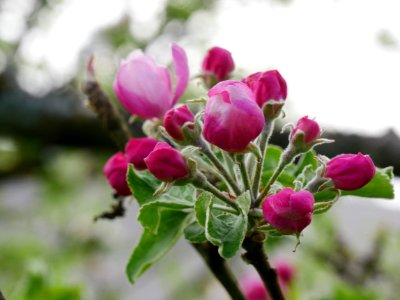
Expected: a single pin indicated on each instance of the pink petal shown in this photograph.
(135, 85)
(181, 68)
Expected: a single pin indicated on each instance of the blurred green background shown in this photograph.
(52, 150)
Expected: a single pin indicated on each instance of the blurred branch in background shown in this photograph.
(60, 119)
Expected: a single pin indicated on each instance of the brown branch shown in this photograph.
(106, 112)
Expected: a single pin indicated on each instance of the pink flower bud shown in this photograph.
(309, 128)
(218, 62)
(267, 86)
(285, 272)
(175, 118)
(144, 87)
(253, 288)
(137, 149)
(166, 163)
(350, 171)
(115, 171)
(289, 211)
(232, 117)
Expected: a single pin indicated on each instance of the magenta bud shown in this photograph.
(267, 86)
(309, 128)
(253, 288)
(166, 163)
(289, 211)
(174, 120)
(218, 62)
(115, 171)
(350, 171)
(285, 271)
(232, 118)
(145, 88)
(137, 149)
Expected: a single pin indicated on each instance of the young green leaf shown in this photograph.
(379, 187)
(225, 230)
(141, 187)
(195, 233)
(201, 207)
(152, 247)
(272, 156)
(150, 213)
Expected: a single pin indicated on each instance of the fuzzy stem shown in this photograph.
(256, 256)
(286, 158)
(265, 136)
(245, 175)
(201, 182)
(219, 268)
(211, 156)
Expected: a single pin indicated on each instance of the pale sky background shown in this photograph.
(328, 51)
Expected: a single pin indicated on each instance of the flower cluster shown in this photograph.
(233, 119)
(217, 145)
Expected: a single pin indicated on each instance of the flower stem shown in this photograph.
(245, 175)
(201, 182)
(256, 256)
(211, 156)
(265, 135)
(219, 268)
(286, 158)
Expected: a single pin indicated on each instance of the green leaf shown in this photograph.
(272, 157)
(195, 233)
(201, 206)
(325, 196)
(285, 178)
(225, 230)
(153, 247)
(141, 187)
(184, 192)
(150, 213)
(307, 159)
(271, 161)
(306, 175)
(379, 187)
(244, 202)
(325, 200)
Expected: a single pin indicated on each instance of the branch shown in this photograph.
(106, 112)
(256, 256)
(218, 267)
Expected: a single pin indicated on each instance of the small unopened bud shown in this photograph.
(350, 171)
(175, 119)
(306, 131)
(115, 171)
(289, 211)
(166, 163)
(216, 66)
(137, 149)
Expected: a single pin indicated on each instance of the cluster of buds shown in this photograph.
(235, 115)
(220, 150)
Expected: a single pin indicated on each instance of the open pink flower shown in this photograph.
(166, 163)
(115, 171)
(289, 211)
(350, 171)
(144, 88)
(232, 117)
